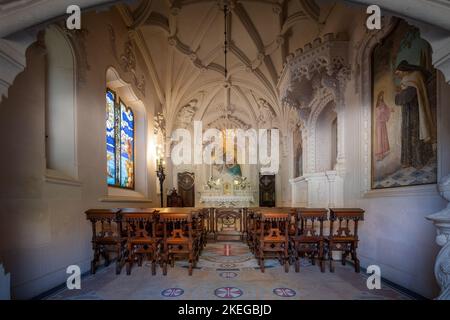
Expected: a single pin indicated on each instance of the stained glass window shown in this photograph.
(126, 147)
(119, 142)
(110, 137)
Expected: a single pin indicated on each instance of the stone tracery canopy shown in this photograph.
(320, 65)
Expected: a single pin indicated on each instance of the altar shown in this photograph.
(224, 201)
(227, 191)
(227, 194)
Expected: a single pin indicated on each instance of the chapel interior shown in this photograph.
(342, 175)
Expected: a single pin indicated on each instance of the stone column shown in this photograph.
(441, 220)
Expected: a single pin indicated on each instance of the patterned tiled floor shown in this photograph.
(228, 277)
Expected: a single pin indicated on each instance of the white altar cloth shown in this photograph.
(227, 201)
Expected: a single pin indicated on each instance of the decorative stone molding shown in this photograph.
(323, 63)
(265, 115)
(322, 99)
(77, 40)
(441, 221)
(20, 15)
(228, 122)
(186, 114)
(159, 125)
(318, 190)
(13, 55)
(364, 49)
(287, 121)
(13, 59)
(127, 60)
(312, 78)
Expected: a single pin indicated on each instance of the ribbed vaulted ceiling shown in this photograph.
(185, 42)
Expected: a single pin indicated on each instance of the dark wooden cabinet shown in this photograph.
(186, 188)
(267, 190)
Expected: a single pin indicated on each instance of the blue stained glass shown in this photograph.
(119, 142)
(111, 138)
(126, 147)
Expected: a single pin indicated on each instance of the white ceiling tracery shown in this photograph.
(183, 42)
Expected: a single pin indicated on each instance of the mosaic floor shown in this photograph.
(228, 277)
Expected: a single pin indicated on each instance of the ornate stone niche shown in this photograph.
(313, 82)
(312, 79)
(320, 64)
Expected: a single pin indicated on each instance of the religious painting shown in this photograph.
(126, 147)
(403, 111)
(227, 188)
(110, 137)
(119, 142)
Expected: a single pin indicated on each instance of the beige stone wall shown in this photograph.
(42, 225)
(43, 228)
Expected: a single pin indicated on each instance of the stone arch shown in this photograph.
(61, 104)
(322, 100)
(127, 94)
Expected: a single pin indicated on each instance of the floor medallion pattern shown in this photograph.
(228, 275)
(172, 292)
(284, 292)
(228, 292)
(237, 276)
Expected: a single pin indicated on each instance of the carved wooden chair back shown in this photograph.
(105, 223)
(344, 234)
(140, 223)
(274, 226)
(181, 239)
(309, 238)
(344, 222)
(107, 236)
(142, 240)
(177, 226)
(273, 238)
(311, 221)
(253, 228)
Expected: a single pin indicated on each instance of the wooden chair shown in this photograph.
(180, 239)
(309, 238)
(142, 240)
(273, 238)
(253, 227)
(344, 234)
(201, 227)
(107, 237)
